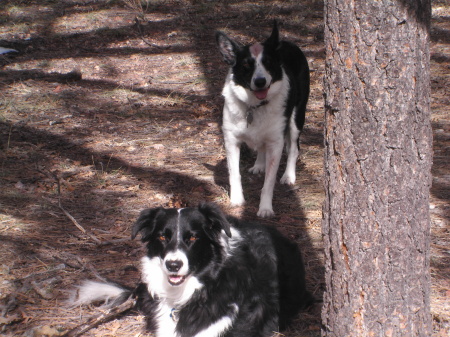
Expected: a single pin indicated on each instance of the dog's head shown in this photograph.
(183, 242)
(254, 67)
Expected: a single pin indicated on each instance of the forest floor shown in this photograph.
(102, 116)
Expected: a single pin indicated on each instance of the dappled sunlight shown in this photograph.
(102, 118)
(86, 21)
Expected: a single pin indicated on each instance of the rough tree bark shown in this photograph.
(376, 224)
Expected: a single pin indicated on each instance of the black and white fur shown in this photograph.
(266, 92)
(208, 275)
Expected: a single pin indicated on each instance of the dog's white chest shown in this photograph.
(256, 127)
(166, 321)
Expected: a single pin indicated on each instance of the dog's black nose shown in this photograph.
(174, 265)
(260, 82)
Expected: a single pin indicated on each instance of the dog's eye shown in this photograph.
(162, 238)
(193, 238)
(248, 63)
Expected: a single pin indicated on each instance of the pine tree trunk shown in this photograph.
(378, 157)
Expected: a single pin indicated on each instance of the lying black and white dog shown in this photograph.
(266, 92)
(208, 275)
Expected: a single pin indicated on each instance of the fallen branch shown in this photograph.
(106, 316)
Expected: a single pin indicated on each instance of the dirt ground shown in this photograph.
(105, 111)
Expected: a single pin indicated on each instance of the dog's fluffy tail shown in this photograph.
(110, 294)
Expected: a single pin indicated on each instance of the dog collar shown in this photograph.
(252, 109)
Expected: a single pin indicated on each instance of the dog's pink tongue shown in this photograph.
(261, 94)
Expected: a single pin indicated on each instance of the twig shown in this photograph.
(71, 260)
(105, 316)
(75, 222)
(41, 292)
(9, 138)
(95, 272)
(81, 264)
(56, 268)
(139, 27)
(67, 214)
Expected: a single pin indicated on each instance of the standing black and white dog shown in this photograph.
(266, 92)
(208, 275)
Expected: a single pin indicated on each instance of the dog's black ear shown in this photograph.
(216, 220)
(228, 48)
(146, 222)
(274, 38)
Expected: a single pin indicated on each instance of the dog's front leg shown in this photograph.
(233, 149)
(273, 156)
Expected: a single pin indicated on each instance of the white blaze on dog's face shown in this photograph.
(261, 79)
(175, 262)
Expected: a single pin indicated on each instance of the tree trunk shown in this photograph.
(378, 156)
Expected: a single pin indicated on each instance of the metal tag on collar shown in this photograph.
(174, 314)
(252, 109)
(249, 117)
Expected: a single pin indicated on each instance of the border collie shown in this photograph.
(208, 275)
(266, 92)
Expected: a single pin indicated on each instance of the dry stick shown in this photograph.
(41, 292)
(82, 265)
(95, 272)
(9, 138)
(105, 316)
(74, 221)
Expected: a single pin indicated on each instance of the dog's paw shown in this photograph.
(265, 213)
(257, 169)
(288, 179)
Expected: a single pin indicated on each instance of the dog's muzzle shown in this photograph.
(261, 88)
(173, 267)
